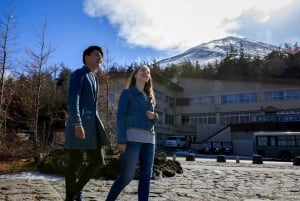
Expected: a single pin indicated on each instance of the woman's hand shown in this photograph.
(150, 115)
(121, 147)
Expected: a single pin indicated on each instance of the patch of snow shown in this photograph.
(31, 176)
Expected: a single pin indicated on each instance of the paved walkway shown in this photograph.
(202, 180)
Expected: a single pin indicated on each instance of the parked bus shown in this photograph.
(283, 145)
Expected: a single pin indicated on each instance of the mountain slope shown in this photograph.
(217, 49)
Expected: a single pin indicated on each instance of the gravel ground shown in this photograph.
(202, 180)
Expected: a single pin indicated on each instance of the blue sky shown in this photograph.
(135, 30)
(70, 31)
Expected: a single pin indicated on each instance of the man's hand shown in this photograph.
(79, 132)
(121, 147)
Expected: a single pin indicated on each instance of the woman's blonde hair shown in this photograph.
(148, 88)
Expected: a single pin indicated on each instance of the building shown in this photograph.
(207, 110)
(224, 110)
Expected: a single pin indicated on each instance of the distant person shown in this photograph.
(135, 133)
(85, 132)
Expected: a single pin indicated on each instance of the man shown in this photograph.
(85, 132)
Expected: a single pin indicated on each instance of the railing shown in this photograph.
(261, 118)
(275, 118)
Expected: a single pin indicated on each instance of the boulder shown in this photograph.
(221, 158)
(163, 167)
(257, 159)
(56, 163)
(296, 161)
(111, 169)
(190, 157)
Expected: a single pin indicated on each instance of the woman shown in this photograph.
(136, 137)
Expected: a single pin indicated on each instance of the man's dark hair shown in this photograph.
(89, 50)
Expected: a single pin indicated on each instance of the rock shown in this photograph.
(221, 159)
(160, 158)
(56, 163)
(190, 157)
(111, 169)
(296, 161)
(257, 159)
(163, 167)
(168, 172)
(168, 168)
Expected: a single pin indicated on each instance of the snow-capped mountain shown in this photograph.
(217, 49)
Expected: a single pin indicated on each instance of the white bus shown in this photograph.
(283, 145)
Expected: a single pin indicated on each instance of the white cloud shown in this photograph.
(180, 24)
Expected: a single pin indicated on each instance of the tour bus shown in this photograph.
(283, 145)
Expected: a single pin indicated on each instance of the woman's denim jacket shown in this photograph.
(132, 113)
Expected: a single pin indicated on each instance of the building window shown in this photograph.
(243, 117)
(199, 119)
(202, 100)
(169, 119)
(238, 98)
(185, 120)
(282, 95)
(182, 102)
(274, 95)
(229, 99)
(292, 94)
(206, 100)
(170, 101)
(211, 119)
(289, 112)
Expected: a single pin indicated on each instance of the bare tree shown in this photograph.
(9, 93)
(107, 110)
(7, 37)
(36, 67)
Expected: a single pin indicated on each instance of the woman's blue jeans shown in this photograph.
(135, 151)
